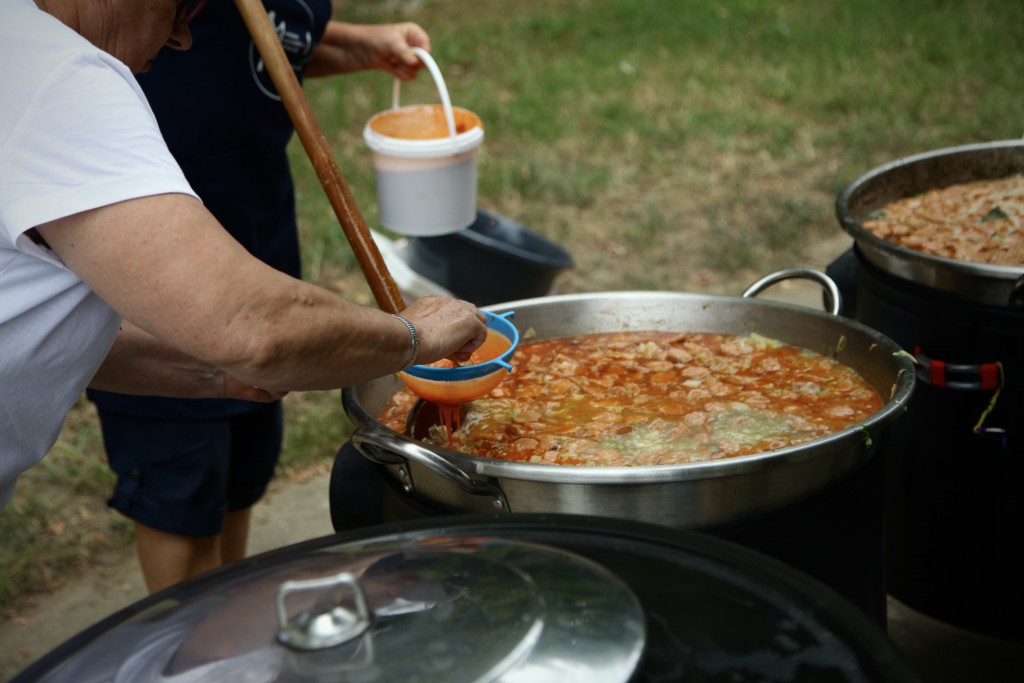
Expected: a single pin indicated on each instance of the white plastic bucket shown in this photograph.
(424, 157)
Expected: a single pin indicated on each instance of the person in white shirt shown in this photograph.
(113, 274)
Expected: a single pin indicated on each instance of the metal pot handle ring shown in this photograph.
(386, 447)
(833, 299)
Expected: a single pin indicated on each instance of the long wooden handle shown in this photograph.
(382, 285)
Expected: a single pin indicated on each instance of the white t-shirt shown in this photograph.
(76, 133)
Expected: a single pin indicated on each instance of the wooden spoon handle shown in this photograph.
(382, 285)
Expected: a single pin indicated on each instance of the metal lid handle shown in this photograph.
(320, 630)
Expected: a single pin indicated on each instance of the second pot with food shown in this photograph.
(953, 509)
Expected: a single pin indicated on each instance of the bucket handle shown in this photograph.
(442, 89)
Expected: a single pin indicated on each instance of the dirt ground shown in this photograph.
(293, 511)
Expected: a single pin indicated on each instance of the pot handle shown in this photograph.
(386, 447)
(833, 299)
(1017, 293)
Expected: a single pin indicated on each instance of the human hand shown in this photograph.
(346, 47)
(394, 49)
(447, 328)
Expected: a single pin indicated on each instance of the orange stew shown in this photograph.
(654, 398)
(981, 222)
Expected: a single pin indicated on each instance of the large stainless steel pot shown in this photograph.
(910, 176)
(685, 496)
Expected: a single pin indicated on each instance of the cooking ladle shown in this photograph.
(461, 384)
(382, 285)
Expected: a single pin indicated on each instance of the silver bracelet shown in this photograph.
(414, 339)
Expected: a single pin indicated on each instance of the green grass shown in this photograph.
(655, 139)
(583, 100)
(61, 523)
(316, 428)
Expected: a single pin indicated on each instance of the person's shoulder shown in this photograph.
(51, 59)
(45, 48)
(24, 26)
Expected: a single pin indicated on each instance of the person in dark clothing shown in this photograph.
(189, 471)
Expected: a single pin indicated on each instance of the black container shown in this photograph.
(954, 508)
(835, 536)
(709, 611)
(494, 259)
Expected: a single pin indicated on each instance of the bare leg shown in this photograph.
(236, 535)
(166, 559)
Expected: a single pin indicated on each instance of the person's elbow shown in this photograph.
(259, 360)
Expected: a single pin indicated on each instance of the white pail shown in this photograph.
(424, 157)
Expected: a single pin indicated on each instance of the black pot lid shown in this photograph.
(522, 598)
(445, 610)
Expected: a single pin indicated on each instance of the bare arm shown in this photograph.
(166, 265)
(139, 363)
(346, 48)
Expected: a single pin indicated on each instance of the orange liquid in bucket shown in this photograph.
(423, 122)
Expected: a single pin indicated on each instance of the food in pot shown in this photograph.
(979, 221)
(654, 398)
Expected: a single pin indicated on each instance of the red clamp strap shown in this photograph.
(938, 373)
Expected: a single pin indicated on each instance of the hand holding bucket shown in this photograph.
(425, 162)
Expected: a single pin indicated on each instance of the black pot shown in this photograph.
(953, 506)
(494, 259)
(954, 511)
(526, 598)
(835, 536)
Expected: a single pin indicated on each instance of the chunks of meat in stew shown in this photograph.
(654, 398)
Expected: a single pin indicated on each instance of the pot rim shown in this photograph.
(918, 266)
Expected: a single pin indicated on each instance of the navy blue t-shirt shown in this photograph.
(225, 124)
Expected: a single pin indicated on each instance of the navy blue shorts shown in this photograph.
(182, 476)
